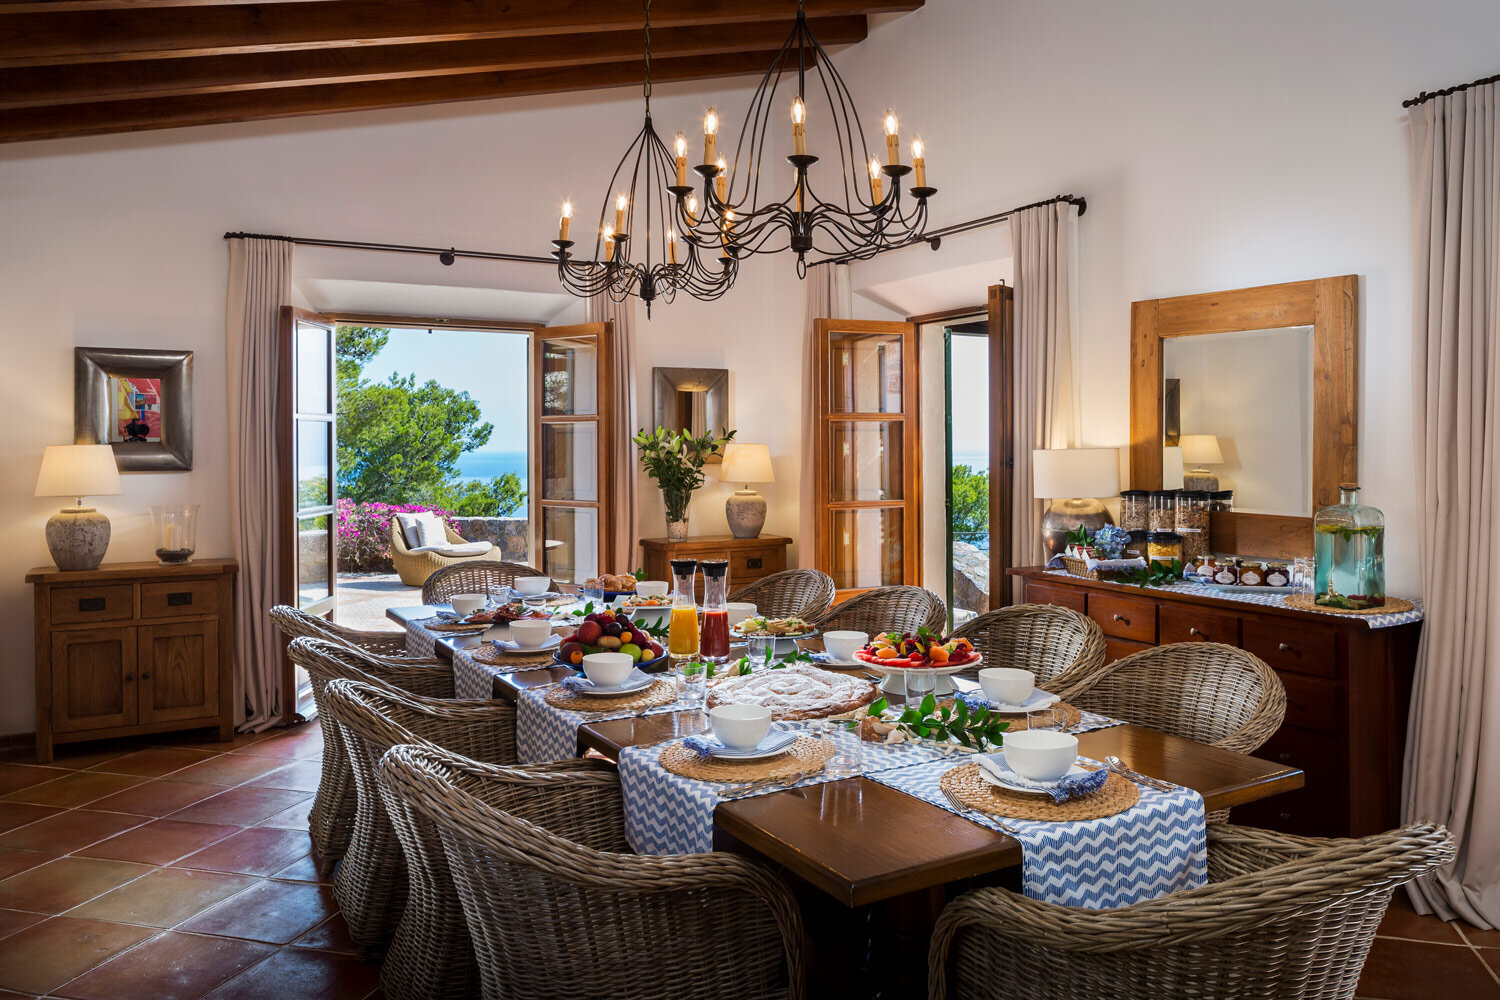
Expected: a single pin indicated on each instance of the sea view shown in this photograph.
(488, 464)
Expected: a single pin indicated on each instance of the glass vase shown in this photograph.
(1349, 553)
(175, 531)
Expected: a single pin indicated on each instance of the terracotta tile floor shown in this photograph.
(181, 870)
(169, 868)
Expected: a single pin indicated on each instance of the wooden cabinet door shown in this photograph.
(93, 679)
(179, 668)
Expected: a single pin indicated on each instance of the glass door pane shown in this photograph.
(865, 374)
(570, 461)
(866, 461)
(968, 446)
(570, 543)
(868, 547)
(573, 431)
(570, 376)
(313, 463)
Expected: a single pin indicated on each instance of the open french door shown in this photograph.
(868, 457)
(1001, 309)
(308, 521)
(573, 423)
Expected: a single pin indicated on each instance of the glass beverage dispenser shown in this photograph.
(1349, 552)
(713, 645)
(682, 631)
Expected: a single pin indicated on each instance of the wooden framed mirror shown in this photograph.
(1272, 375)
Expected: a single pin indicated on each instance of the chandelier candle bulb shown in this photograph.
(671, 247)
(799, 127)
(681, 144)
(565, 223)
(692, 210)
(609, 244)
(919, 162)
(892, 138)
(620, 205)
(721, 182)
(710, 134)
(875, 179)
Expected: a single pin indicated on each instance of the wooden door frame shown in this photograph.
(1000, 307)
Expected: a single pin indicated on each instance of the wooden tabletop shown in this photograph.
(111, 571)
(861, 841)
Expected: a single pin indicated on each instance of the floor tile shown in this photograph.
(295, 818)
(14, 814)
(1491, 958)
(1479, 938)
(308, 975)
(204, 739)
(78, 788)
(246, 805)
(77, 756)
(164, 897)
(159, 842)
(13, 862)
(331, 935)
(157, 798)
(305, 742)
(276, 912)
(257, 851)
(14, 920)
(66, 832)
(14, 777)
(44, 956)
(301, 775)
(172, 966)
(153, 762)
(228, 769)
(303, 870)
(63, 884)
(1418, 970)
(1404, 922)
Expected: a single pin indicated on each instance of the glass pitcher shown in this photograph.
(713, 644)
(682, 631)
(1349, 553)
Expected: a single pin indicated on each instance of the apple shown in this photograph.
(571, 652)
(631, 650)
(610, 642)
(589, 633)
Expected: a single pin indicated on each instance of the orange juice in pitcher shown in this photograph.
(682, 630)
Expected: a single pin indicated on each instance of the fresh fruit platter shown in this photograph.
(609, 632)
(906, 651)
(504, 615)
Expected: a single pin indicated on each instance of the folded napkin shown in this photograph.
(1037, 699)
(1070, 786)
(703, 746)
(450, 615)
(580, 682)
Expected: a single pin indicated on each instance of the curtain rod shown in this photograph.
(934, 239)
(446, 256)
(1425, 96)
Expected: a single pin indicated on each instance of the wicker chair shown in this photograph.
(481, 576)
(800, 593)
(557, 908)
(295, 624)
(415, 567)
(429, 955)
(1059, 645)
(887, 609)
(331, 820)
(1283, 916)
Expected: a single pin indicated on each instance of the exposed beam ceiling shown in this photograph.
(83, 67)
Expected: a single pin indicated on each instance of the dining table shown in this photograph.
(872, 865)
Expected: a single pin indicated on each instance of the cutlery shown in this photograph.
(962, 808)
(1117, 765)
(767, 784)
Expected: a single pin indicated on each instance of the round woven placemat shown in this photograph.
(496, 657)
(445, 625)
(966, 783)
(808, 754)
(662, 692)
(1071, 717)
(1306, 602)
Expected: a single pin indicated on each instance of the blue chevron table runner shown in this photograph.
(1157, 846)
(546, 733)
(419, 641)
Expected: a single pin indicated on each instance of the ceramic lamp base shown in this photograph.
(1064, 516)
(1200, 479)
(77, 538)
(746, 513)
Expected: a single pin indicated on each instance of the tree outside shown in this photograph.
(971, 505)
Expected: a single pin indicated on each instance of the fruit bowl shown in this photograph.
(893, 651)
(651, 666)
(609, 632)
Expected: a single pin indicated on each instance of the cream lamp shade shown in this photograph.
(1064, 473)
(78, 470)
(1200, 449)
(746, 463)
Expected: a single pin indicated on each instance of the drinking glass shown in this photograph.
(848, 751)
(692, 686)
(1052, 717)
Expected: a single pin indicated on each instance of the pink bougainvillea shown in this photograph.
(364, 531)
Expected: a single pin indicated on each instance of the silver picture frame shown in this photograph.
(96, 369)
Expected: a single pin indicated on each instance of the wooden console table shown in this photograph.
(133, 648)
(1348, 687)
(749, 558)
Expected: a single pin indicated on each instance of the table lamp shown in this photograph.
(1073, 479)
(746, 509)
(1199, 450)
(77, 536)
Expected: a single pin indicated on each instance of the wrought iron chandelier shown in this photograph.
(677, 265)
(860, 217)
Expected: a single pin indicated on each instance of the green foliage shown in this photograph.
(971, 500)
(977, 729)
(1154, 574)
(502, 496)
(675, 460)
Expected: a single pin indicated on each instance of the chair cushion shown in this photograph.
(431, 531)
(459, 551)
(409, 530)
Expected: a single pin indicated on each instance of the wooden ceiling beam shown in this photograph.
(101, 81)
(59, 121)
(37, 37)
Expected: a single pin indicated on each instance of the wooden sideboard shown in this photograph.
(749, 558)
(1348, 687)
(133, 648)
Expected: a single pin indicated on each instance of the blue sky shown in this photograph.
(971, 395)
(488, 365)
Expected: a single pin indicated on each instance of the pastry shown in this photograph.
(796, 692)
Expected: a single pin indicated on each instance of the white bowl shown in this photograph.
(467, 604)
(530, 586)
(843, 645)
(651, 588)
(1040, 754)
(739, 611)
(606, 669)
(1007, 685)
(529, 633)
(740, 727)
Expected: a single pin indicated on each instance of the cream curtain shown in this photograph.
(260, 282)
(621, 491)
(828, 297)
(1453, 744)
(1044, 248)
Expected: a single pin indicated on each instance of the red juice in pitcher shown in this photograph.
(713, 641)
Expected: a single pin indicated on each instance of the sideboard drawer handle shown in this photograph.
(91, 604)
(130, 677)
(145, 677)
(1286, 758)
(1193, 630)
(180, 598)
(1283, 647)
(1122, 618)
(753, 562)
